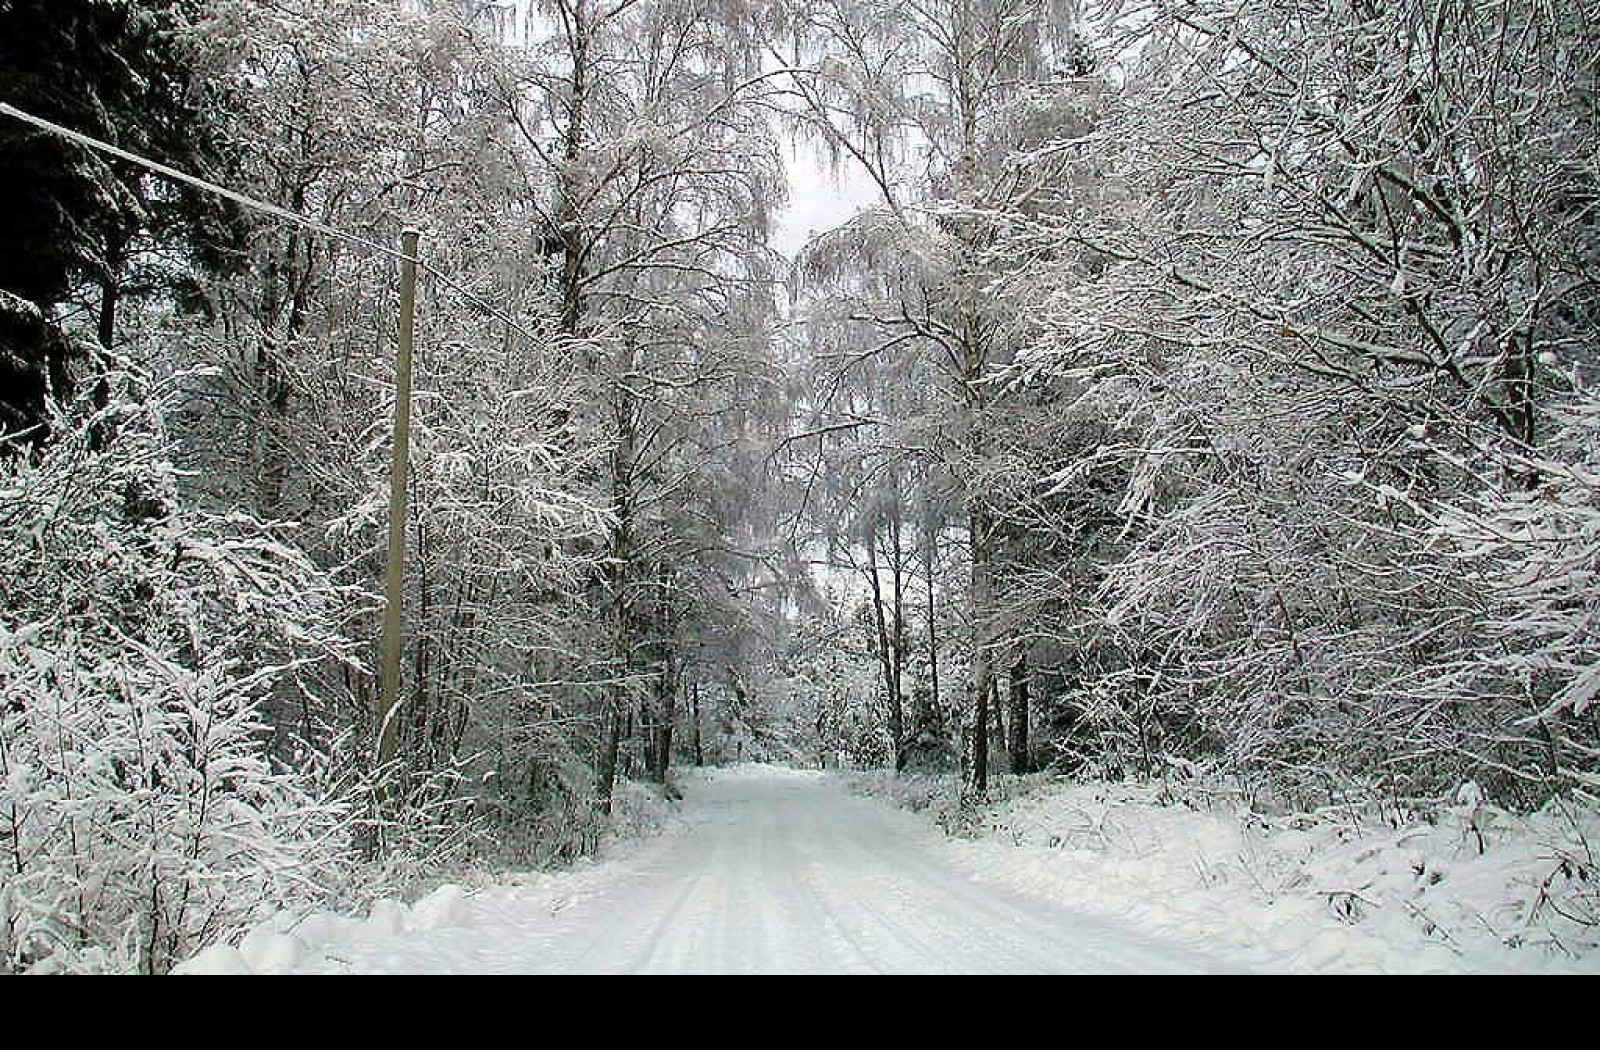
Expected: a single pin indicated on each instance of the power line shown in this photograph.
(255, 204)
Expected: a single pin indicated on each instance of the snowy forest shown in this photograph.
(1207, 391)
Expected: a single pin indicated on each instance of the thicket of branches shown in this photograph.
(1213, 385)
(187, 678)
(1336, 306)
(1258, 344)
(141, 647)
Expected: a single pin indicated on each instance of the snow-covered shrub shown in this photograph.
(1532, 547)
(140, 816)
(418, 827)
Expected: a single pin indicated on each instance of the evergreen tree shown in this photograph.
(81, 229)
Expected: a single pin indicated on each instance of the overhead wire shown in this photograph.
(256, 204)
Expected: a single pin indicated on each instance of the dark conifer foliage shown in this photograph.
(79, 231)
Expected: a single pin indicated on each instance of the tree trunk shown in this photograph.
(975, 726)
(569, 231)
(110, 297)
(897, 635)
(669, 726)
(887, 657)
(975, 741)
(694, 704)
(659, 734)
(610, 747)
(106, 333)
(618, 691)
(974, 359)
(933, 629)
(975, 753)
(1017, 717)
(417, 739)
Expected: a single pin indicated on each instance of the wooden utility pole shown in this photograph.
(399, 470)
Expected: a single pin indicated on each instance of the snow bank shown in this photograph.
(288, 943)
(1480, 889)
(319, 941)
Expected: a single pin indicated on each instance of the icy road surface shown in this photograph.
(777, 871)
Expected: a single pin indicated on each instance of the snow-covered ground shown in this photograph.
(1342, 890)
(771, 870)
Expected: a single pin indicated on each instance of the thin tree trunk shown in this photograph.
(106, 333)
(974, 358)
(110, 293)
(110, 298)
(897, 637)
(668, 711)
(610, 747)
(886, 656)
(1017, 717)
(417, 742)
(933, 629)
(569, 230)
(975, 752)
(618, 691)
(975, 743)
(694, 703)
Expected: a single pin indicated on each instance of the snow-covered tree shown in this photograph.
(643, 119)
(946, 107)
(1327, 266)
(142, 814)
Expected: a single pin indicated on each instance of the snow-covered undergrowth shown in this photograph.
(311, 940)
(150, 800)
(1349, 889)
(141, 811)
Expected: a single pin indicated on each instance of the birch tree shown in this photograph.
(661, 173)
(914, 94)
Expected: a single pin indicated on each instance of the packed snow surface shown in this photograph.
(773, 871)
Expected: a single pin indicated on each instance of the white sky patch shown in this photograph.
(819, 199)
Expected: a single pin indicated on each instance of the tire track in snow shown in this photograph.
(776, 871)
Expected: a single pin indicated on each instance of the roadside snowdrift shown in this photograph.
(435, 933)
(1480, 890)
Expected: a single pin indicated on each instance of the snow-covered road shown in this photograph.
(776, 871)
